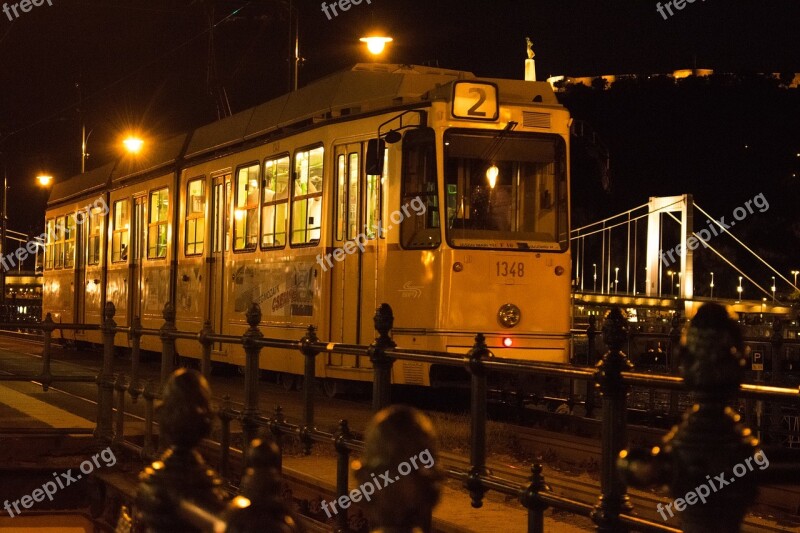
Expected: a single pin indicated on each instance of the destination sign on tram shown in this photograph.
(475, 100)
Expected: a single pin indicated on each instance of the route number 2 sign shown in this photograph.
(475, 100)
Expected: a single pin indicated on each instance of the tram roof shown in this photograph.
(364, 88)
(95, 179)
(158, 153)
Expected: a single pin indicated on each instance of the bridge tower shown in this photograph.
(656, 259)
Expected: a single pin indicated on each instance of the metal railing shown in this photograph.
(612, 375)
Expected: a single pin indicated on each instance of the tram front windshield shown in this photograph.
(505, 190)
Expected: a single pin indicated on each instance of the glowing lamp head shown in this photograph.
(44, 180)
(491, 174)
(376, 44)
(133, 144)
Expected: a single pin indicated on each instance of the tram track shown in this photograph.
(567, 448)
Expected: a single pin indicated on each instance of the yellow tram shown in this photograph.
(440, 193)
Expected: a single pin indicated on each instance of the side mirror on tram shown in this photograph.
(375, 150)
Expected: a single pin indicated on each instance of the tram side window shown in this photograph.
(95, 231)
(122, 224)
(157, 228)
(341, 196)
(420, 229)
(275, 201)
(245, 215)
(307, 197)
(48, 247)
(58, 247)
(69, 241)
(195, 216)
(373, 211)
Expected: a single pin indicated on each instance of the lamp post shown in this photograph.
(594, 277)
(678, 286)
(712, 286)
(616, 279)
(671, 282)
(739, 289)
(795, 273)
(773, 290)
(44, 181)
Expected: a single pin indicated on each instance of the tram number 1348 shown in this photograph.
(510, 269)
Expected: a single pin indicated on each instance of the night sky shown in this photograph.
(147, 64)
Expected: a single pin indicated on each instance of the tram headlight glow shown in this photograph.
(507, 342)
(509, 315)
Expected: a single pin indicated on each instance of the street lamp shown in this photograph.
(739, 289)
(678, 286)
(44, 180)
(712, 286)
(795, 273)
(773, 290)
(595, 277)
(671, 282)
(133, 144)
(376, 43)
(616, 279)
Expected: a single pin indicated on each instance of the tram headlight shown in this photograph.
(509, 315)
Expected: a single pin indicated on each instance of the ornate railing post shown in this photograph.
(478, 412)
(591, 334)
(202, 337)
(710, 441)
(674, 363)
(47, 331)
(394, 435)
(180, 472)
(381, 364)
(149, 395)
(613, 500)
(775, 415)
(261, 485)
(225, 436)
(251, 372)
(167, 342)
(119, 431)
(135, 336)
(309, 381)
(342, 472)
(530, 500)
(274, 428)
(105, 383)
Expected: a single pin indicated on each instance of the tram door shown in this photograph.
(220, 248)
(135, 287)
(80, 233)
(346, 274)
